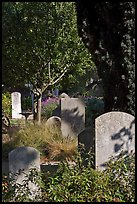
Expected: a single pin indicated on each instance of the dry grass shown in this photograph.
(48, 140)
(62, 148)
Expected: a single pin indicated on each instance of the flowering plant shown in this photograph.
(49, 105)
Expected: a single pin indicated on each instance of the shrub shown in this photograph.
(48, 106)
(94, 108)
(121, 172)
(7, 104)
(15, 192)
(85, 184)
(78, 183)
(26, 103)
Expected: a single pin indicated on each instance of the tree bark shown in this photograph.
(39, 109)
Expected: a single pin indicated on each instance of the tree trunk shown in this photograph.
(39, 109)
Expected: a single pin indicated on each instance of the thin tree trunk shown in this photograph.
(39, 109)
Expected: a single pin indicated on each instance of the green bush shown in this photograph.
(7, 103)
(26, 103)
(77, 183)
(84, 184)
(15, 192)
(94, 108)
(48, 106)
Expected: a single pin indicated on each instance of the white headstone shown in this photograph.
(16, 105)
(114, 132)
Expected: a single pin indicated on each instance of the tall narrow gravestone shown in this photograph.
(114, 132)
(21, 160)
(16, 105)
(72, 116)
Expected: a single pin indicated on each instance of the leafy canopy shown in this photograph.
(41, 44)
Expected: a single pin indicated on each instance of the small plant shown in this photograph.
(94, 108)
(7, 104)
(26, 103)
(17, 192)
(5, 188)
(48, 106)
(121, 172)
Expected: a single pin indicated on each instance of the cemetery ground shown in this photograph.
(76, 183)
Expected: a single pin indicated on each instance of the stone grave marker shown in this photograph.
(87, 139)
(86, 144)
(64, 95)
(72, 116)
(53, 121)
(21, 160)
(57, 111)
(16, 105)
(114, 132)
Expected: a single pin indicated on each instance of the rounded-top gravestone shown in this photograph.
(114, 133)
(21, 161)
(53, 121)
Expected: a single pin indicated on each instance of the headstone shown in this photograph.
(21, 160)
(86, 145)
(57, 111)
(64, 95)
(114, 132)
(54, 121)
(16, 105)
(72, 116)
(87, 139)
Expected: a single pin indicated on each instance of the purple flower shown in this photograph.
(48, 100)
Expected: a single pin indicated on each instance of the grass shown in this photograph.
(48, 140)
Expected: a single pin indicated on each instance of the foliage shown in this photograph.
(48, 141)
(41, 44)
(78, 183)
(26, 103)
(84, 184)
(7, 104)
(48, 106)
(94, 108)
(21, 192)
(121, 171)
(110, 38)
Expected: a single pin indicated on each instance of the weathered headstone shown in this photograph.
(16, 105)
(64, 95)
(21, 160)
(57, 111)
(114, 132)
(87, 139)
(72, 116)
(86, 145)
(54, 121)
